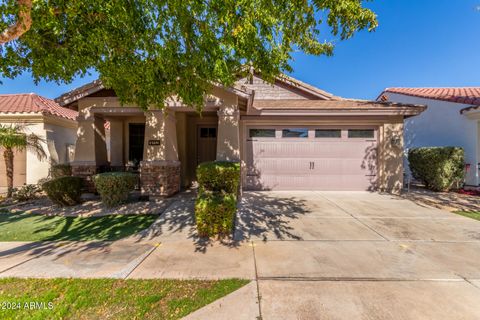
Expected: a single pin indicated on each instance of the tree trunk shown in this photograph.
(22, 25)
(8, 156)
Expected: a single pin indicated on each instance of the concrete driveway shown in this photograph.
(310, 255)
(358, 255)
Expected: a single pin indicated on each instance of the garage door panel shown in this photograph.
(19, 169)
(311, 163)
(283, 166)
(273, 149)
(309, 182)
(310, 149)
(339, 166)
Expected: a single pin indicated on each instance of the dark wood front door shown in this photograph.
(206, 143)
(136, 138)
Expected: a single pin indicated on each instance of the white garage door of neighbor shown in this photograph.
(306, 158)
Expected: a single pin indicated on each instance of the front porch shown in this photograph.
(163, 146)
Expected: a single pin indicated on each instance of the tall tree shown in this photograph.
(13, 138)
(147, 50)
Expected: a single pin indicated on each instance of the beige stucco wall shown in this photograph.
(91, 141)
(160, 125)
(391, 156)
(228, 136)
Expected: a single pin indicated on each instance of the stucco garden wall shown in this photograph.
(58, 138)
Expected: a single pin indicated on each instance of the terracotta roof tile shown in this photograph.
(466, 95)
(33, 103)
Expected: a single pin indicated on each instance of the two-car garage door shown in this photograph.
(311, 158)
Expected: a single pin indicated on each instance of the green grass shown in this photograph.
(29, 227)
(110, 298)
(470, 214)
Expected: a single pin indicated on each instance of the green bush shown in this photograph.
(114, 187)
(216, 202)
(215, 213)
(26, 192)
(60, 170)
(64, 191)
(439, 168)
(219, 176)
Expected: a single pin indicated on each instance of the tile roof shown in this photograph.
(345, 104)
(33, 103)
(466, 95)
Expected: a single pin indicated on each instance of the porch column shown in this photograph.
(90, 148)
(228, 138)
(160, 168)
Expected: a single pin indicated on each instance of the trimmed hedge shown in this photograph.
(114, 187)
(64, 191)
(215, 213)
(60, 170)
(216, 202)
(219, 176)
(439, 168)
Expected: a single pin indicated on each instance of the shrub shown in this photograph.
(60, 170)
(215, 213)
(439, 168)
(216, 202)
(219, 176)
(26, 192)
(114, 187)
(64, 191)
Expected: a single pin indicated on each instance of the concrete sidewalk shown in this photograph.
(310, 255)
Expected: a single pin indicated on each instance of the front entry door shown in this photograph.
(206, 143)
(136, 138)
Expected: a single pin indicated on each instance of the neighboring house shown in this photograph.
(44, 117)
(450, 120)
(289, 135)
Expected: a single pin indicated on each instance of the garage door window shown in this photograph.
(361, 133)
(262, 133)
(295, 133)
(328, 133)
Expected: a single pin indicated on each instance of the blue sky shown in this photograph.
(419, 43)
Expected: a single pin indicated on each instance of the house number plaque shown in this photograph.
(153, 142)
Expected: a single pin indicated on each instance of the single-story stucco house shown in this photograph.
(48, 120)
(287, 135)
(452, 119)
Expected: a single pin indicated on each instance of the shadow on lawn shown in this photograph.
(260, 216)
(92, 233)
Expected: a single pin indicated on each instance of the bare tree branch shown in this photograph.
(22, 25)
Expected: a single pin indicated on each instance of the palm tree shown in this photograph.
(12, 138)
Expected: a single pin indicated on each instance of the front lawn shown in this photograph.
(470, 214)
(108, 298)
(29, 227)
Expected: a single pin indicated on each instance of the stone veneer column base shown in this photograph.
(85, 171)
(160, 178)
